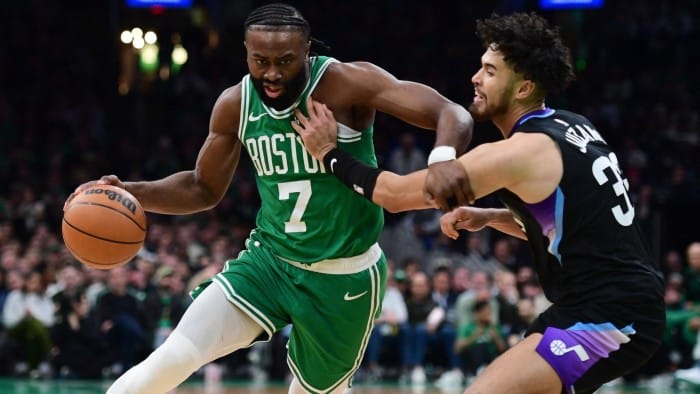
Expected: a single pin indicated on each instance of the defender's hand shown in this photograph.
(105, 180)
(447, 185)
(319, 131)
(464, 218)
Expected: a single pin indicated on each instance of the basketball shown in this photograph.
(104, 226)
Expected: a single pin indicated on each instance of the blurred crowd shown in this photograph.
(451, 306)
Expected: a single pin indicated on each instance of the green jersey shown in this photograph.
(307, 215)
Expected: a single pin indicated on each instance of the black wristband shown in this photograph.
(355, 174)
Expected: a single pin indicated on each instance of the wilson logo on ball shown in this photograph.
(112, 195)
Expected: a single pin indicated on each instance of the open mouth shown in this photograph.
(478, 98)
(273, 91)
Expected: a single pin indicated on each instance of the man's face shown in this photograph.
(420, 287)
(277, 61)
(494, 86)
(693, 253)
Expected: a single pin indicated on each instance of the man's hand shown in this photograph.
(319, 131)
(447, 185)
(464, 218)
(105, 180)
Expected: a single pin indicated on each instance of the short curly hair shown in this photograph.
(531, 47)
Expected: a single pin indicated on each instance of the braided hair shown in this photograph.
(280, 17)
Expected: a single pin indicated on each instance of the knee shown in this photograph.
(180, 347)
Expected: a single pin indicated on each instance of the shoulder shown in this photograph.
(355, 70)
(231, 96)
(526, 149)
(353, 83)
(226, 113)
(358, 74)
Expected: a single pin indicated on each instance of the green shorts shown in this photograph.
(331, 305)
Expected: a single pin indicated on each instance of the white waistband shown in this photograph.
(344, 265)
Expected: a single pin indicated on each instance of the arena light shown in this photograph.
(138, 42)
(126, 37)
(179, 55)
(137, 32)
(570, 4)
(148, 59)
(159, 3)
(150, 37)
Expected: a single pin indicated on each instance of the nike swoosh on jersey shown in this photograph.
(333, 161)
(348, 297)
(255, 118)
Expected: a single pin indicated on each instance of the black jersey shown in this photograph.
(586, 242)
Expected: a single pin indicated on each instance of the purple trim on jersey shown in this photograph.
(543, 212)
(549, 213)
(572, 352)
(540, 113)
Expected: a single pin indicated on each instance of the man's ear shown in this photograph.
(526, 89)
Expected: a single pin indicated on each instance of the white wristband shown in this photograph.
(442, 153)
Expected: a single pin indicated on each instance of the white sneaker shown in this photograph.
(451, 378)
(418, 377)
(691, 375)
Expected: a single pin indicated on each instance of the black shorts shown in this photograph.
(588, 345)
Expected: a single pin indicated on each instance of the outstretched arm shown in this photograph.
(392, 191)
(203, 187)
(367, 86)
(528, 164)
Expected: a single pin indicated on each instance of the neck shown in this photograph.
(506, 122)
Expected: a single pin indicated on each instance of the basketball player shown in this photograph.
(565, 194)
(313, 260)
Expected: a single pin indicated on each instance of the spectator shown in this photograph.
(96, 279)
(446, 298)
(503, 254)
(526, 315)
(407, 158)
(80, 350)
(480, 341)
(481, 290)
(424, 318)
(171, 303)
(70, 280)
(507, 298)
(460, 280)
(121, 318)
(687, 321)
(691, 278)
(28, 315)
(386, 327)
(477, 259)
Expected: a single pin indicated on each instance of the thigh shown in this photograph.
(593, 344)
(519, 370)
(632, 354)
(257, 283)
(333, 316)
(215, 326)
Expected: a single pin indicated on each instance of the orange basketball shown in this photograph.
(104, 226)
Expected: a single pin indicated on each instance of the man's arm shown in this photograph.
(392, 191)
(203, 187)
(421, 106)
(475, 219)
(528, 164)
